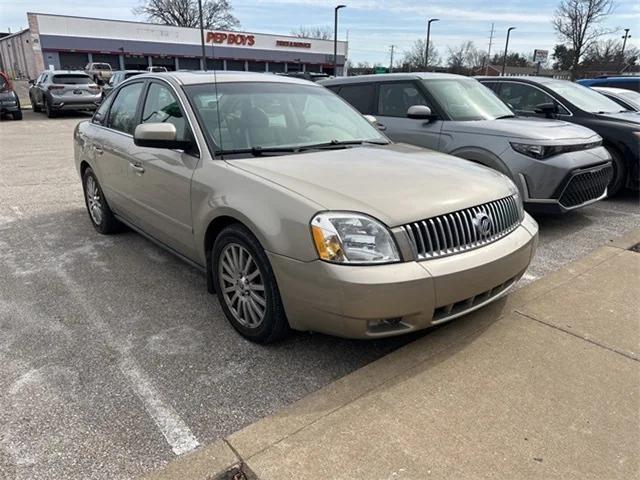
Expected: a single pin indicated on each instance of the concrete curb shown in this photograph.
(231, 458)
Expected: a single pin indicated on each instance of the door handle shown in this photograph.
(98, 149)
(381, 126)
(139, 169)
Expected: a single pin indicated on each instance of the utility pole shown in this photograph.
(426, 53)
(391, 61)
(204, 55)
(624, 44)
(486, 72)
(335, 39)
(506, 48)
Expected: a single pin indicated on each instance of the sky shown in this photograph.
(372, 25)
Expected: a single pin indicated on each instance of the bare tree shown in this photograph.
(577, 22)
(321, 33)
(216, 14)
(461, 57)
(413, 59)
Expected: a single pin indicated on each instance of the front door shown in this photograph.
(161, 178)
(394, 99)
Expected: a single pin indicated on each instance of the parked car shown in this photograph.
(630, 82)
(561, 99)
(625, 98)
(9, 101)
(157, 69)
(99, 72)
(57, 90)
(118, 77)
(312, 76)
(301, 213)
(557, 166)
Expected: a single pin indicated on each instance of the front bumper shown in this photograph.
(386, 300)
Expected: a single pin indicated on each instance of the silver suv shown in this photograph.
(57, 90)
(557, 166)
(299, 211)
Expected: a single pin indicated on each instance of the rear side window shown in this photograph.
(122, 116)
(70, 79)
(396, 98)
(493, 86)
(361, 96)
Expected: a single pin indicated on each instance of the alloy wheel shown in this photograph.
(242, 285)
(94, 200)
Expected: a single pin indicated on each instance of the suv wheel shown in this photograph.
(48, 110)
(17, 115)
(100, 214)
(34, 105)
(246, 286)
(619, 178)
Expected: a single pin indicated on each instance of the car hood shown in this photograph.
(396, 184)
(525, 128)
(631, 117)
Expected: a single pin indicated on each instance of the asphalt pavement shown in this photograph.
(114, 357)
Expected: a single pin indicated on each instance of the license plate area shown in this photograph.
(77, 92)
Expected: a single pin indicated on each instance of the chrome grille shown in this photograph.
(463, 230)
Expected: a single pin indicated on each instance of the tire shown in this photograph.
(36, 108)
(48, 110)
(17, 115)
(619, 179)
(248, 294)
(100, 214)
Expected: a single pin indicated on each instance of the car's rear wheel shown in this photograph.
(51, 113)
(619, 178)
(246, 286)
(100, 214)
(17, 115)
(34, 105)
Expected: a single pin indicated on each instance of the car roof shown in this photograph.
(613, 90)
(388, 77)
(195, 77)
(530, 79)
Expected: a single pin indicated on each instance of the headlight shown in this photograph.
(542, 152)
(520, 204)
(344, 237)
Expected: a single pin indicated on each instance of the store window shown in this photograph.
(257, 66)
(276, 67)
(237, 65)
(189, 63)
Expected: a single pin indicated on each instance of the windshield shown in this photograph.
(630, 97)
(101, 66)
(71, 79)
(583, 97)
(261, 115)
(467, 99)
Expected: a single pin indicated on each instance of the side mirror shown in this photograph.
(159, 135)
(546, 109)
(420, 112)
(32, 82)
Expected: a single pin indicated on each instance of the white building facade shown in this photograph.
(64, 42)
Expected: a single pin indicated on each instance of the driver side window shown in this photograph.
(161, 106)
(395, 99)
(525, 98)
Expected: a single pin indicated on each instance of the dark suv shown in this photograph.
(9, 102)
(551, 98)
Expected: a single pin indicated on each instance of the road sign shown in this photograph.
(540, 56)
(380, 70)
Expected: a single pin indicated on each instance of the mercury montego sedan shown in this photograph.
(299, 211)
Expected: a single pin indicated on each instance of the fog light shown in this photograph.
(384, 325)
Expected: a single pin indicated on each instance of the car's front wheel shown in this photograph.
(619, 178)
(246, 286)
(100, 214)
(17, 115)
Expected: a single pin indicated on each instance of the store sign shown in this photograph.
(231, 38)
(287, 43)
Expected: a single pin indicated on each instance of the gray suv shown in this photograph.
(57, 90)
(556, 165)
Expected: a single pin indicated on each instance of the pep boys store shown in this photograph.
(64, 42)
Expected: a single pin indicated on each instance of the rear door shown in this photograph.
(161, 178)
(394, 99)
(116, 152)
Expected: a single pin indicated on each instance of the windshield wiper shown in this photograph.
(258, 150)
(511, 115)
(342, 144)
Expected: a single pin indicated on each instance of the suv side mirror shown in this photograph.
(32, 82)
(159, 135)
(547, 109)
(420, 112)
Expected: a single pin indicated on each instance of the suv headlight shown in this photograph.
(352, 238)
(542, 152)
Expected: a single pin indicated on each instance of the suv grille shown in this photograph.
(463, 230)
(585, 186)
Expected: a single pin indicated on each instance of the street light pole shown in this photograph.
(506, 48)
(391, 60)
(335, 39)
(204, 55)
(426, 53)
